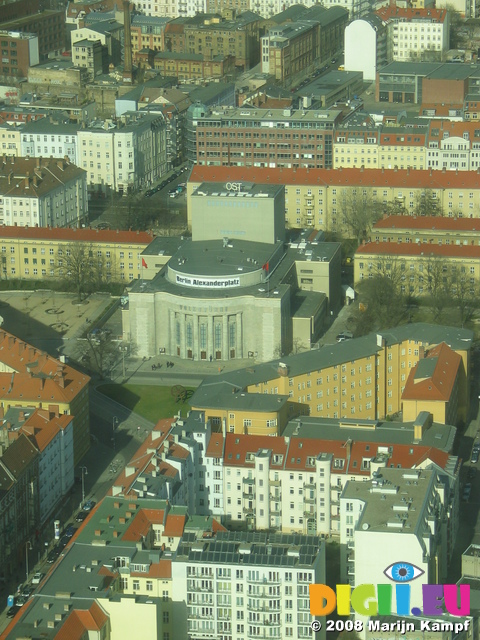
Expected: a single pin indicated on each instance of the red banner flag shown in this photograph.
(265, 267)
(144, 264)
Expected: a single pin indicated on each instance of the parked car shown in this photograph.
(471, 473)
(12, 612)
(149, 192)
(88, 505)
(37, 578)
(27, 591)
(80, 517)
(64, 540)
(475, 456)
(467, 490)
(53, 555)
(70, 530)
(345, 335)
(172, 193)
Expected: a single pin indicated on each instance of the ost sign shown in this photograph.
(208, 283)
(233, 186)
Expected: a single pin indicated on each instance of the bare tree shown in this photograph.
(465, 295)
(359, 213)
(80, 267)
(438, 284)
(101, 353)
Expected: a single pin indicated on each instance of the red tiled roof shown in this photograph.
(392, 12)
(215, 446)
(440, 384)
(73, 628)
(299, 449)
(439, 109)
(174, 526)
(454, 129)
(437, 223)
(237, 447)
(419, 249)
(406, 139)
(72, 235)
(404, 178)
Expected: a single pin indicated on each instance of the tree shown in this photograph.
(382, 303)
(81, 269)
(359, 213)
(438, 284)
(101, 353)
(465, 296)
(427, 204)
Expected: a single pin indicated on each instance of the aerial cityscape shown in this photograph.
(239, 320)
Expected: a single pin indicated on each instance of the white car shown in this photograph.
(37, 578)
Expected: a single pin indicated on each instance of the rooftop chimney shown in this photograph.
(127, 62)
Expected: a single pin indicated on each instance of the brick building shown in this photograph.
(48, 25)
(266, 138)
(189, 66)
(19, 53)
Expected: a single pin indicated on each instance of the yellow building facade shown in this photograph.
(362, 379)
(318, 198)
(38, 253)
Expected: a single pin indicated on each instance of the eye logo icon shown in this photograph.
(403, 572)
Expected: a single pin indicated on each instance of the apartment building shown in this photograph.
(52, 436)
(260, 580)
(454, 146)
(148, 31)
(293, 484)
(274, 138)
(34, 253)
(91, 55)
(415, 32)
(232, 35)
(423, 269)
(19, 52)
(318, 198)
(109, 33)
(426, 230)
(19, 503)
(125, 156)
(362, 379)
(35, 192)
(49, 27)
(172, 8)
(379, 147)
(53, 136)
(11, 138)
(401, 510)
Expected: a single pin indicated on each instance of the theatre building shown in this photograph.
(234, 290)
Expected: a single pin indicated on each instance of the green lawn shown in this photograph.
(153, 403)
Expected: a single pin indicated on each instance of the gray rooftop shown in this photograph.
(410, 68)
(437, 435)
(305, 304)
(279, 115)
(248, 190)
(105, 26)
(339, 353)
(53, 125)
(396, 501)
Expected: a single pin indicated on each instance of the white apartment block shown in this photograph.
(126, 156)
(415, 31)
(50, 137)
(36, 192)
(454, 154)
(246, 585)
(397, 509)
(171, 8)
(293, 484)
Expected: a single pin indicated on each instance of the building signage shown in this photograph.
(233, 186)
(208, 283)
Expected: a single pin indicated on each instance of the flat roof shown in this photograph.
(247, 190)
(404, 489)
(280, 115)
(306, 304)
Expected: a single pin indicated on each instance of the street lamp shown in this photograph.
(84, 473)
(124, 350)
(28, 547)
(114, 424)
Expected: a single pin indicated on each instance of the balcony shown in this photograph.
(309, 485)
(248, 480)
(309, 500)
(249, 510)
(276, 483)
(248, 495)
(309, 514)
(263, 580)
